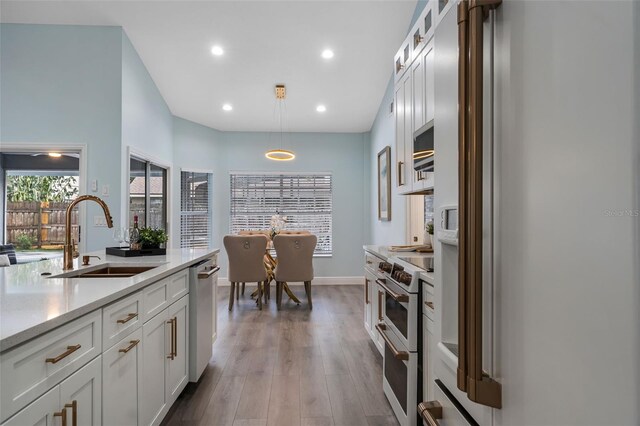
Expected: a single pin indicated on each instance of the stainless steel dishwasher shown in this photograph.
(203, 282)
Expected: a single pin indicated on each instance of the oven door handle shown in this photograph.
(401, 355)
(401, 298)
(430, 412)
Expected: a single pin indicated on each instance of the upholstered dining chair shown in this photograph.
(246, 264)
(302, 232)
(295, 262)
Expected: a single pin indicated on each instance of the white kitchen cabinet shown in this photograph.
(428, 345)
(156, 347)
(165, 367)
(121, 318)
(378, 317)
(400, 180)
(404, 133)
(121, 380)
(368, 283)
(75, 401)
(31, 369)
(177, 367)
(40, 412)
(402, 58)
(81, 395)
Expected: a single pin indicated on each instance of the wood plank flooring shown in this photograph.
(292, 367)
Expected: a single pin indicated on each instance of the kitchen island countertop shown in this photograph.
(32, 304)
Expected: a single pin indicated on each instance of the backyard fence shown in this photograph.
(42, 222)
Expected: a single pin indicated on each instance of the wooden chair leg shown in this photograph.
(265, 292)
(233, 286)
(307, 288)
(238, 292)
(259, 296)
(279, 294)
(243, 289)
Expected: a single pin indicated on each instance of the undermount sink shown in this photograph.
(107, 271)
(115, 271)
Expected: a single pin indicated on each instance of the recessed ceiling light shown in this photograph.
(55, 154)
(217, 50)
(227, 107)
(321, 108)
(327, 53)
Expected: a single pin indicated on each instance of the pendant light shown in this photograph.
(280, 154)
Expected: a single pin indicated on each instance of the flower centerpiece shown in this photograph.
(277, 224)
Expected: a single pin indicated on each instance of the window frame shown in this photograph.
(126, 205)
(284, 213)
(209, 212)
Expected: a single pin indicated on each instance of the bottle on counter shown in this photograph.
(134, 237)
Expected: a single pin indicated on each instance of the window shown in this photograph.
(305, 199)
(195, 220)
(147, 193)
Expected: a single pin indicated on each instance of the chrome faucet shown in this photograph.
(69, 245)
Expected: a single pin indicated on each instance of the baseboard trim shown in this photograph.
(224, 282)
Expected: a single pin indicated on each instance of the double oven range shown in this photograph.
(402, 333)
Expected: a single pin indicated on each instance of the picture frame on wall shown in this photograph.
(384, 184)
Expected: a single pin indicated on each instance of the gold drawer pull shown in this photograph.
(172, 354)
(127, 319)
(430, 412)
(74, 412)
(133, 343)
(63, 414)
(69, 351)
(429, 305)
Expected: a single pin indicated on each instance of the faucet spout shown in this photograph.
(68, 244)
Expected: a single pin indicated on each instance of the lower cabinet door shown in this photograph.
(380, 300)
(156, 348)
(121, 374)
(39, 412)
(178, 365)
(81, 395)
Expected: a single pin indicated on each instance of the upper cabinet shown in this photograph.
(414, 97)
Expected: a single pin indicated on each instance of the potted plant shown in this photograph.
(152, 237)
(428, 235)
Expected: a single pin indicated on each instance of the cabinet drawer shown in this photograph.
(31, 369)
(452, 412)
(371, 262)
(178, 285)
(428, 305)
(158, 296)
(121, 318)
(39, 412)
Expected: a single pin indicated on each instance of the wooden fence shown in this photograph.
(42, 221)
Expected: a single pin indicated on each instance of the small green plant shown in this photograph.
(152, 237)
(24, 242)
(430, 228)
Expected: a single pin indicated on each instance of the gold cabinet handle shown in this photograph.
(366, 291)
(400, 176)
(205, 275)
(429, 305)
(175, 336)
(369, 262)
(127, 319)
(172, 354)
(132, 344)
(401, 355)
(69, 351)
(430, 412)
(380, 297)
(401, 298)
(62, 413)
(74, 412)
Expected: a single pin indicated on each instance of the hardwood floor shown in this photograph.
(290, 367)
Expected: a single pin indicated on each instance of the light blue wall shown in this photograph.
(62, 85)
(382, 135)
(146, 119)
(344, 155)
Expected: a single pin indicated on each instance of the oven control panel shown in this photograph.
(385, 267)
(398, 274)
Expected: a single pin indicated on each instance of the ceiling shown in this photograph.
(265, 42)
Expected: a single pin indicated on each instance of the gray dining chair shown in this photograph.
(295, 262)
(246, 262)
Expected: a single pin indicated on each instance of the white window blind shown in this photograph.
(305, 199)
(195, 220)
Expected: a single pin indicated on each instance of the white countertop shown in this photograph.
(32, 304)
(384, 253)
